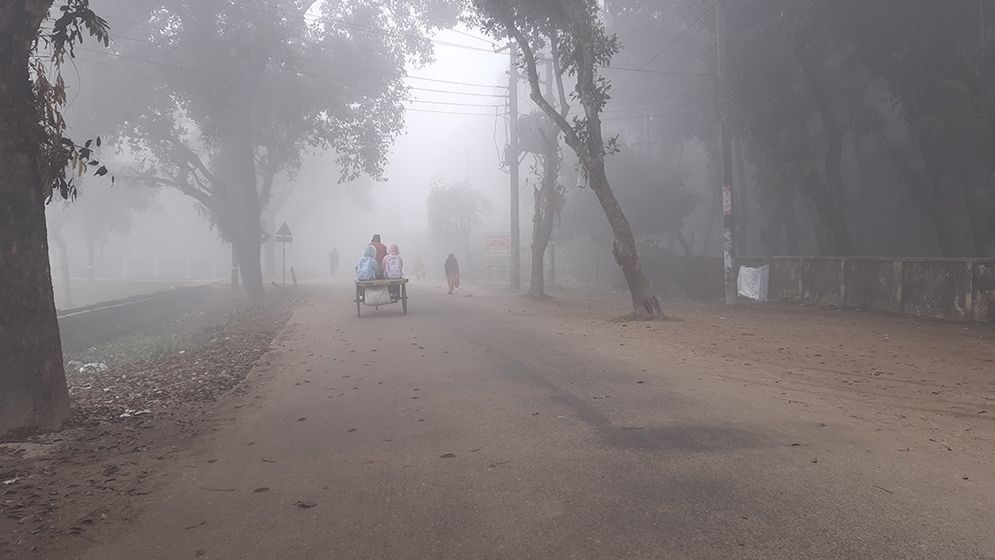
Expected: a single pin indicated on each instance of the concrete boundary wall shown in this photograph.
(952, 289)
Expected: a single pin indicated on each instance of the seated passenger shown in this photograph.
(368, 269)
(393, 269)
(393, 264)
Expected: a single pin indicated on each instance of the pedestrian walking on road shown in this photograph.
(452, 272)
(419, 267)
(333, 261)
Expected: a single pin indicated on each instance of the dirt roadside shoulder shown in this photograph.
(928, 384)
(57, 489)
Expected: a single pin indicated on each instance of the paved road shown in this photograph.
(469, 430)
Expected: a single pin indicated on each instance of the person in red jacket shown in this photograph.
(381, 250)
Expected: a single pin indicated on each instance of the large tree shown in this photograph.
(33, 160)
(242, 90)
(577, 34)
(454, 209)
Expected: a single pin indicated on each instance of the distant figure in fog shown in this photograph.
(419, 267)
(452, 272)
(333, 261)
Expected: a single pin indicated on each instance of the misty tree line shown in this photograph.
(218, 99)
(860, 127)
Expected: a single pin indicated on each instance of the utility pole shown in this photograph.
(234, 265)
(725, 146)
(551, 245)
(516, 245)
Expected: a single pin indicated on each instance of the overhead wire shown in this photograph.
(334, 95)
(662, 72)
(369, 28)
(488, 115)
(300, 72)
(450, 103)
(674, 41)
(413, 77)
(472, 36)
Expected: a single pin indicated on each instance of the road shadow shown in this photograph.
(699, 438)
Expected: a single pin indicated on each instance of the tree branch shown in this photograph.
(201, 196)
(535, 90)
(558, 72)
(195, 160)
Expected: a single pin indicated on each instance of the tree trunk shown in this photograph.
(233, 280)
(977, 212)
(270, 261)
(90, 270)
(249, 262)
(33, 391)
(239, 168)
(742, 202)
(939, 215)
(866, 205)
(592, 153)
(827, 195)
(466, 271)
(644, 303)
(590, 149)
(67, 284)
(544, 216)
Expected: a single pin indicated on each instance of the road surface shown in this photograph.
(492, 427)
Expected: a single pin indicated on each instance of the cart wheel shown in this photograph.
(359, 304)
(404, 298)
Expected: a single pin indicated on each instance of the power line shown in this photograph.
(177, 47)
(449, 103)
(501, 95)
(365, 27)
(636, 112)
(335, 95)
(472, 36)
(149, 25)
(679, 36)
(456, 83)
(302, 72)
(663, 72)
(687, 95)
(660, 115)
(488, 115)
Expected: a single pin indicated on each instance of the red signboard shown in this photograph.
(497, 244)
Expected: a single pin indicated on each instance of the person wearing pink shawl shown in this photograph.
(393, 267)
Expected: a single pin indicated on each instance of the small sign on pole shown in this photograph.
(727, 200)
(284, 236)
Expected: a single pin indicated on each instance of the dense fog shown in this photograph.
(831, 151)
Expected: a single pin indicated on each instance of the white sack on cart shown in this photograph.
(377, 296)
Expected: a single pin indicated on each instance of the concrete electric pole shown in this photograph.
(516, 245)
(725, 146)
